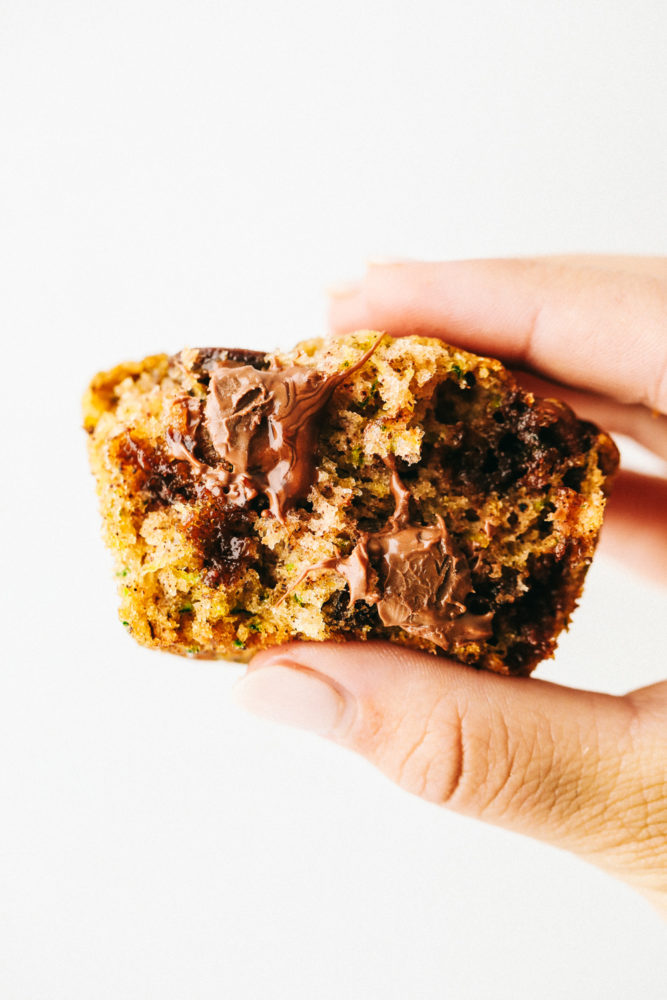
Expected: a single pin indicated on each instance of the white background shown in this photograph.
(197, 172)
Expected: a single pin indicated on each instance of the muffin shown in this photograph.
(359, 488)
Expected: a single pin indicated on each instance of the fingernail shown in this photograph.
(291, 695)
(343, 290)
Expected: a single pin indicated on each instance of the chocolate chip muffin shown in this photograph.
(360, 488)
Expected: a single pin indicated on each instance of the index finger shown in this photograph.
(598, 326)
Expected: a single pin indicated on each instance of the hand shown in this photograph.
(581, 770)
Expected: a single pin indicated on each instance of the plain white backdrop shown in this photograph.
(183, 173)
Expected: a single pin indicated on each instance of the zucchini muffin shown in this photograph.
(359, 488)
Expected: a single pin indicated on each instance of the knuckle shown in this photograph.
(445, 757)
(430, 765)
(420, 751)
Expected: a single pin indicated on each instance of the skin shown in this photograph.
(581, 770)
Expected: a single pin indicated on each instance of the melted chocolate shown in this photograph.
(425, 582)
(533, 442)
(201, 361)
(154, 473)
(223, 535)
(422, 579)
(182, 439)
(263, 426)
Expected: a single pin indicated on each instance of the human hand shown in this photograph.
(584, 771)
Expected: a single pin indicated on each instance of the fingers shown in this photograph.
(530, 756)
(635, 526)
(596, 325)
(631, 263)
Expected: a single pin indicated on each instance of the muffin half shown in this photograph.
(359, 488)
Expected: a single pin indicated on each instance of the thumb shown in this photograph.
(543, 760)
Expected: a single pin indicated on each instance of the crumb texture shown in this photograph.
(499, 495)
